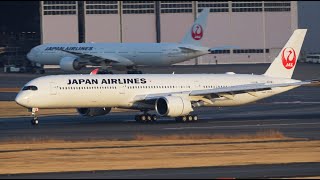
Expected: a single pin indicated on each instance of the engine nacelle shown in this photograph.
(70, 64)
(173, 106)
(93, 111)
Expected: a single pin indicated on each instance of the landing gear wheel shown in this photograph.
(35, 121)
(195, 118)
(143, 118)
(154, 117)
(184, 118)
(189, 118)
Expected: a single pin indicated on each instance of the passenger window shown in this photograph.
(32, 88)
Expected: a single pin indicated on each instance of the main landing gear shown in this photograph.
(188, 118)
(146, 118)
(34, 120)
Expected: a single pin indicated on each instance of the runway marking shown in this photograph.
(295, 102)
(237, 126)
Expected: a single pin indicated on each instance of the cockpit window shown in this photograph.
(32, 88)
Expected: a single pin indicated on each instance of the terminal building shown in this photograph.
(257, 30)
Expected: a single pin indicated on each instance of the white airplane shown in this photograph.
(74, 56)
(171, 95)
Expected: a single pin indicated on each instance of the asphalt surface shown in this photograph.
(229, 172)
(295, 114)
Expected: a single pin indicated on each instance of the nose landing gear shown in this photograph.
(34, 120)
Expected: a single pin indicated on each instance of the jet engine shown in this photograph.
(70, 64)
(173, 106)
(93, 111)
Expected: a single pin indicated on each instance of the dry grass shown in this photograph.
(263, 135)
(12, 109)
(269, 134)
(116, 155)
(9, 90)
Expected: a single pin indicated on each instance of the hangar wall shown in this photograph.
(253, 31)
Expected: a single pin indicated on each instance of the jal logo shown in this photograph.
(289, 58)
(197, 32)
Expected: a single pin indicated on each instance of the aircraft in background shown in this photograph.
(171, 95)
(74, 56)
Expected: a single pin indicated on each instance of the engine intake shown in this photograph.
(93, 111)
(173, 106)
(70, 64)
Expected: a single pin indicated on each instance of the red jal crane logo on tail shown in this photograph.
(197, 32)
(289, 58)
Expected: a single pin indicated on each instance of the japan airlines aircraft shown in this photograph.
(72, 57)
(169, 95)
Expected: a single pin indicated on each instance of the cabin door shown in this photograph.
(53, 88)
(122, 89)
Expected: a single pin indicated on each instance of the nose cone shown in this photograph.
(30, 56)
(21, 100)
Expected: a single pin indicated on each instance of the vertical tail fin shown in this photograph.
(196, 32)
(285, 63)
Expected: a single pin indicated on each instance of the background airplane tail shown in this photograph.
(197, 31)
(285, 63)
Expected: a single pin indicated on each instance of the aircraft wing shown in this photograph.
(244, 88)
(223, 91)
(187, 50)
(96, 59)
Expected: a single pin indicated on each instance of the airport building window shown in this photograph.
(176, 6)
(138, 7)
(258, 6)
(277, 9)
(220, 52)
(215, 6)
(59, 7)
(250, 6)
(58, 2)
(101, 7)
(241, 51)
(101, 2)
(60, 12)
(277, 6)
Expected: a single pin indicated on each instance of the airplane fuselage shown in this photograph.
(140, 54)
(84, 91)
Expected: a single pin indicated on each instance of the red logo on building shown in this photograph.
(289, 58)
(197, 32)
